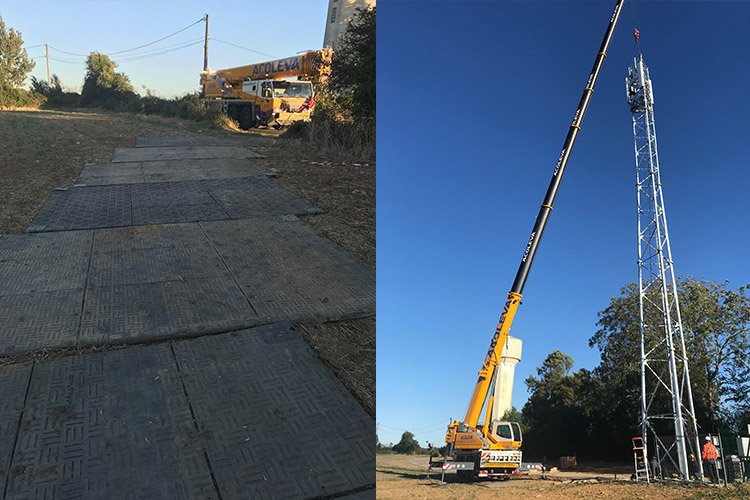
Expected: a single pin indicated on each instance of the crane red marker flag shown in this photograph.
(635, 34)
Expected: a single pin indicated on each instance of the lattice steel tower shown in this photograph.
(666, 396)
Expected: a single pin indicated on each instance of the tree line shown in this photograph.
(349, 93)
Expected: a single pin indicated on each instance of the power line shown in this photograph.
(65, 61)
(69, 53)
(160, 39)
(35, 46)
(138, 58)
(161, 49)
(240, 47)
(134, 48)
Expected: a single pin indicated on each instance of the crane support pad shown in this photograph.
(184, 153)
(103, 174)
(250, 413)
(151, 142)
(94, 207)
(146, 283)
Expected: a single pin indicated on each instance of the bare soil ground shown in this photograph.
(44, 149)
(401, 477)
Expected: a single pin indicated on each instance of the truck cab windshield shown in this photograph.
(292, 89)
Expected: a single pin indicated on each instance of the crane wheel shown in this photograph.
(233, 112)
(247, 120)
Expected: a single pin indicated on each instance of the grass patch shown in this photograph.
(352, 140)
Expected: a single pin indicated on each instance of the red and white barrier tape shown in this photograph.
(333, 164)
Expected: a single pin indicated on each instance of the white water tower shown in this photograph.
(504, 377)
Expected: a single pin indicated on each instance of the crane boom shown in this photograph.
(493, 448)
(514, 296)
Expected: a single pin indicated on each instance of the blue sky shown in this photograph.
(475, 99)
(278, 29)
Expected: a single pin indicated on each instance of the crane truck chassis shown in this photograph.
(493, 448)
(263, 93)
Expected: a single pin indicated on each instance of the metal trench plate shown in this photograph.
(84, 208)
(275, 421)
(35, 321)
(14, 380)
(42, 278)
(181, 153)
(258, 197)
(150, 142)
(109, 425)
(166, 202)
(159, 282)
(200, 169)
(290, 273)
(102, 174)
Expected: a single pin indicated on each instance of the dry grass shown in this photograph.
(402, 476)
(42, 150)
(346, 193)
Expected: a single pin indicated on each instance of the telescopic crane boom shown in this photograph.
(472, 443)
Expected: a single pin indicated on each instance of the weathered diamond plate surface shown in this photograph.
(109, 425)
(100, 174)
(200, 169)
(167, 171)
(84, 208)
(45, 245)
(311, 294)
(290, 273)
(42, 275)
(166, 202)
(258, 197)
(14, 380)
(154, 254)
(150, 142)
(165, 214)
(275, 422)
(39, 320)
(155, 236)
(140, 312)
(181, 153)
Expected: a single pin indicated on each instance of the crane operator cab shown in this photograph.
(508, 433)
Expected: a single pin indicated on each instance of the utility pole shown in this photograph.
(666, 394)
(46, 50)
(205, 47)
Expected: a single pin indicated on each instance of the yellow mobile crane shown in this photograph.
(263, 94)
(492, 448)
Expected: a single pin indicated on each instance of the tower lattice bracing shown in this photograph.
(666, 397)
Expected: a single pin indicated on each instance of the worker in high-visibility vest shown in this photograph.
(710, 454)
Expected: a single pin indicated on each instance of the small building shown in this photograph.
(340, 12)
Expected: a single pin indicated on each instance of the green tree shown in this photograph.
(14, 61)
(407, 445)
(353, 65)
(43, 88)
(559, 410)
(715, 322)
(103, 86)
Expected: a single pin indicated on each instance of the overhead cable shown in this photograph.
(240, 47)
(138, 58)
(134, 48)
